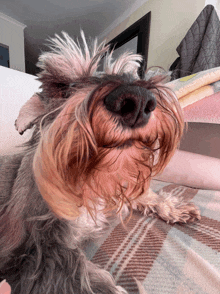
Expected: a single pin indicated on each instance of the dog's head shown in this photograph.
(104, 133)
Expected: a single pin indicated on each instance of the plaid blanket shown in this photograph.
(199, 96)
(165, 258)
(197, 86)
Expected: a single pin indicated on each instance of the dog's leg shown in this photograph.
(169, 207)
(47, 262)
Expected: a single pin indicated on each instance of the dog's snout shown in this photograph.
(132, 104)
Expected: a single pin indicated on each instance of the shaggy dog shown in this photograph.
(99, 137)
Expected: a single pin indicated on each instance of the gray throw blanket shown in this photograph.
(200, 48)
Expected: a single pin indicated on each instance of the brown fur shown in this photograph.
(75, 156)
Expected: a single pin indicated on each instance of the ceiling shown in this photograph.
(44, 18)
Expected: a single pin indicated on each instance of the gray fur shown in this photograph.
(36, 253)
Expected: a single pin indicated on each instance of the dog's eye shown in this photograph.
(127, 106)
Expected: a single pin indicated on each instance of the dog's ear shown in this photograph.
(68, 61)
(28, 113)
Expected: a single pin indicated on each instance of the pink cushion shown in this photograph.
(206, 110)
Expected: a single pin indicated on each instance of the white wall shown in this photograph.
(170, 21)
(12, 35)
(125, 16)
(216, 4)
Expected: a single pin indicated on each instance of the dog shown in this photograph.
(99, 137)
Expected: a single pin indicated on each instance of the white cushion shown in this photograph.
(15, 89)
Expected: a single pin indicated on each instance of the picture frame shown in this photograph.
(138, 34)
(4, 55)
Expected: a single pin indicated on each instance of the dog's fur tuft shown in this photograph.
(69, 62)
(99, 138)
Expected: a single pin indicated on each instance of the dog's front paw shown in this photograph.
(170, 207)
(183, 213)
(180, 213)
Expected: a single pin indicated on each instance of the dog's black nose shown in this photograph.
(133, 104)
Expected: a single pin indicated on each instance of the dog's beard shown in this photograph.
(87, 158)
